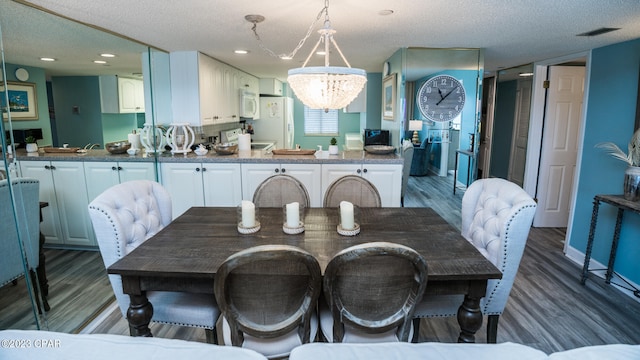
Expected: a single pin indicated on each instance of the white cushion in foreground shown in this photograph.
(33, 344)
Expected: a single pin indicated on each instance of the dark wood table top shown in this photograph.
(196, 243)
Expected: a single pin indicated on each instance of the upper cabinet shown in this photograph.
(205, 91)
(271, 86)
(120, 95)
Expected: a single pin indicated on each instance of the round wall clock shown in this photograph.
(22, 74)
(441, 98)
(385, 68)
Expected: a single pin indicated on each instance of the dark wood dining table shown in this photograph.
(185, 255)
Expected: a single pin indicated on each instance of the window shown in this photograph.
(318, 122)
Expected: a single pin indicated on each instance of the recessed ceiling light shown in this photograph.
(99, 61)
(321, 53)
(285, 57)
(47, 59)
(385, 12)
(526, 74)
(107, 55)
(241, 52)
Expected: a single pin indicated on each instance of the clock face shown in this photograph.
(441, 98)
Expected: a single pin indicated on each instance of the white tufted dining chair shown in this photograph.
(496, 219)
(123, 217)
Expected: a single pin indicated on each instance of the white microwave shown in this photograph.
(248, 105)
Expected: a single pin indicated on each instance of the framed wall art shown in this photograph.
(389, 97)
(23, 102)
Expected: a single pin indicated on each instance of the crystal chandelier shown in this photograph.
(324, 87)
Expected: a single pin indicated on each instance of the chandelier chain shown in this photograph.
(292, 54)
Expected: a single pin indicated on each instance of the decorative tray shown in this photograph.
(60, 150)
(379, 149)
(292, 152)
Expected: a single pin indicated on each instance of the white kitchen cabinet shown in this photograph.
(387, 178)
(102, 175)
(196, 88)
(231, 106)
(62, 184)
(201, 184)
(308, 174)
(121, 95)
(271, 86)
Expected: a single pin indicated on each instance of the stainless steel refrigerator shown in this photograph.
(275, 122)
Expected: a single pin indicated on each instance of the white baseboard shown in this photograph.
(578, 257)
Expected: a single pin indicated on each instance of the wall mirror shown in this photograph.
(510, 123)
(69, 111)
(440, 139)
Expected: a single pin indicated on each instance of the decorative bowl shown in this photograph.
(379, 149)
(118, 147)
(225, 149)
(132, 151)
(201, 151)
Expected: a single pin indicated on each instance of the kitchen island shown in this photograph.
(69, 181)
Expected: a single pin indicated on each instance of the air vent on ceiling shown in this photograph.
(599, 31)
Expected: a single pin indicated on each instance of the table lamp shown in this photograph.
(415, 125)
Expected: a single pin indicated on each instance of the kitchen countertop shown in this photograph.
(253, 156)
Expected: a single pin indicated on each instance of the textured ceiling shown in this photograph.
(512, 32)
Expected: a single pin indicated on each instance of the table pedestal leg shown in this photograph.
(469, 318)
(139, 315)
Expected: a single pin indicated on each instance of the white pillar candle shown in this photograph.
(293, 215)
(346, 215)
(248, 214)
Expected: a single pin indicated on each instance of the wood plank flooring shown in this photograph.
(79, 289)
(548, 308)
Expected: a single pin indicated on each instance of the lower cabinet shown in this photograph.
(201, 184)
(308, 174)
(62, 185)
(102, 175)
(387, 178)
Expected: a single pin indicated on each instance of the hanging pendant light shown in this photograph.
(321, 87)
(326, 87)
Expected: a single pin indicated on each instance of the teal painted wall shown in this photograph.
(503, 128)
(36, 76)
(85, 126)
(89, 125)
(610, 116)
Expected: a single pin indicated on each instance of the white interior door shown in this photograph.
(484, 153)
(520, 131)
(559, 145)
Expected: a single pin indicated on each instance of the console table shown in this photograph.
(622, 205)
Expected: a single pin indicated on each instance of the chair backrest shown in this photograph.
(23, 226)
(496, 218)
(407, 154)
(123, 217)
(374, 287)
(279, 190)
(354, 189)
(268, 291)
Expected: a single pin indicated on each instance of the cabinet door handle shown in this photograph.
(358, 171)
(204, 169)
(277, 170)
(114, 168)
(365, 171)
(47, 167)
(197, 169)
(119, 168)
(283, 170)
(53, 167)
